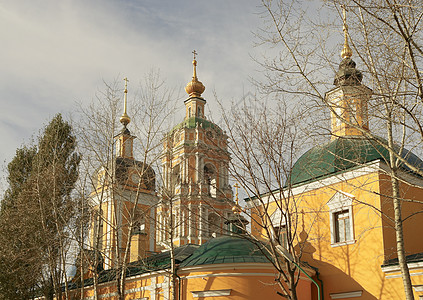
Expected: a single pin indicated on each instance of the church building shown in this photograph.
(189, 241)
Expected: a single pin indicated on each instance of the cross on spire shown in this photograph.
(195, 53)
(346, 51)
(126, 92)
(126, 84)
(124, 119)
(236, 186)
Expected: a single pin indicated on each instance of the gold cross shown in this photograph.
(236, 186)
(195, 53)
(125, 97)
(344, 16)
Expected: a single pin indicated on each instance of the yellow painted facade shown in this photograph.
(355, 265)
(345, 235)
(343, 195)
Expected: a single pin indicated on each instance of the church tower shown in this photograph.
(124, 200)
(349, 98)
(196, 198)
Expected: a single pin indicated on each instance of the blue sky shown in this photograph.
(56, 53)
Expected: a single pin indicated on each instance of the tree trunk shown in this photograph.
(399, 233)
(400, 241)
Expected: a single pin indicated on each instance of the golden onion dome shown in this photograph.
(236, 209)
(194, 88)
(124, 119)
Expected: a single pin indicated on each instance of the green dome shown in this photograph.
(227, 249)
(339, 155)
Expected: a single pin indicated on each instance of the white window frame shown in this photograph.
(279, 221)
(341, 201)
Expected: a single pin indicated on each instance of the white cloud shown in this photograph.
(54, 53)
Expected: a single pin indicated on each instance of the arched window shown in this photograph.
(176, 175)
(213, 221)
(98, 233)
(210, 180)
(138, 223)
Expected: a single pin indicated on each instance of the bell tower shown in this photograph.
(349, 98)
(124, 203)
(197, 197)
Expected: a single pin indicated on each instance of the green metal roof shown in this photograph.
(339, 155)
(162, 260)
(227, 249)
(192, 123)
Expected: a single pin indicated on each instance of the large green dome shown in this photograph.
(339, 155)
(226, 249)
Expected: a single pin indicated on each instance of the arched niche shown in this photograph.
(210, 179)
(213, 221)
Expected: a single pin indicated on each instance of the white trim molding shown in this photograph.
(418, 288)
(341, 201)
(354, 294)
(396, 268)
(365, 169)
(211, 293)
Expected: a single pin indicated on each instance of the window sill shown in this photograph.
(350, 242)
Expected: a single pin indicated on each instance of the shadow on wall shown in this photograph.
(335, 281)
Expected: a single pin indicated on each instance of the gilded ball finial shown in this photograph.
(124, 119)
(194, 88)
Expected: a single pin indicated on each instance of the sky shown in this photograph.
(57, 53)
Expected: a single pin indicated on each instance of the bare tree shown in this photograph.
(120, 181)
(265, 137)
(385, 37)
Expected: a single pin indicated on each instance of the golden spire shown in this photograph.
(194, 88)
(346, 52)
(194, 63)
(236, 208)
(124, 119)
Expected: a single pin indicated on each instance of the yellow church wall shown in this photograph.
(356, 265)
(244, 283)
(412, 220)
(347, 267)
(139, 242)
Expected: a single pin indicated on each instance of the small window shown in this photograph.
(342, 226)
(341, 219)
(210, 180)
(138, 226)
(282, 235)
(213, 221)
(338, 115)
